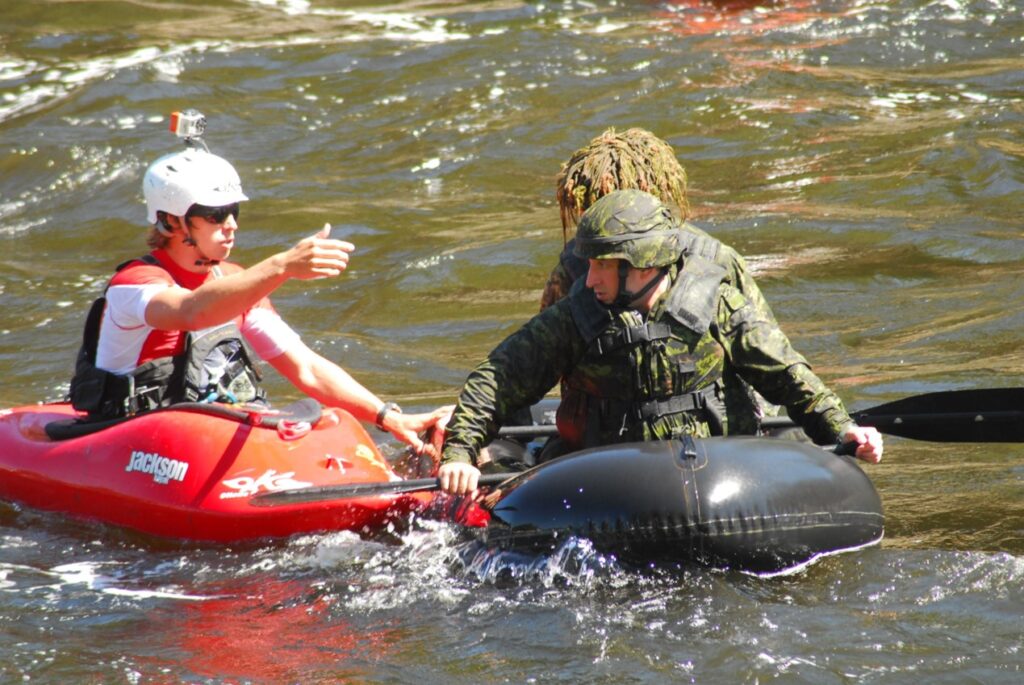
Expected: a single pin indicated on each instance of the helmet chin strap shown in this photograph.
(190, 241)
(206, 262)
(625, 298)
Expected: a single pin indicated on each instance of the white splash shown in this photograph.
(86, 573)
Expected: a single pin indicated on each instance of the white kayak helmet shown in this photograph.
(179, 180)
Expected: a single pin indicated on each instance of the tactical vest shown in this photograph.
(734, 405)
(216, 365)
(644, 380)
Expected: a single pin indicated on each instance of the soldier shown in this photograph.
(641, 342)
(637, 159)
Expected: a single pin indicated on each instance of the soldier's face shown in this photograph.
(603, 279)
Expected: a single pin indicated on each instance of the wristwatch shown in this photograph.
(385, 408)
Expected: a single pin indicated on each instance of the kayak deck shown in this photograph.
(189, 474)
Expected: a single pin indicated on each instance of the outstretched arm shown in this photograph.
(222, 299)
(330, 384)
(516, 374)
(765, 358)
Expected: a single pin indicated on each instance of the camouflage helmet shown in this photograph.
(631, 225)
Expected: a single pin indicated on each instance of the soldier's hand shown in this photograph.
(458, 478)
(869, 443)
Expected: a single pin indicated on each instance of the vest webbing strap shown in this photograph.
(692, 401)
(634, 334)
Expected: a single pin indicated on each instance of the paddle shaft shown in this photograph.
(987, 415)
(334, 492)
(779, 422)
(995, 415)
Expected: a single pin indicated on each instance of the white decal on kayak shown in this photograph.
(270, 481)
(160, 467)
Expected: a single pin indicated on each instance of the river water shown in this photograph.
(866, 156)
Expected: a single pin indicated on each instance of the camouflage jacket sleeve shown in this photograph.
(516, 374)
(738, 275)
(762, 354)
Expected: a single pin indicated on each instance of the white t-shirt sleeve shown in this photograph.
(268, 333)
(124, 326)
(127, 303)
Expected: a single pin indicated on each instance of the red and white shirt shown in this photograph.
(126, 341)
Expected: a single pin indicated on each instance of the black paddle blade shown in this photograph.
(330, 493)
(991, 415)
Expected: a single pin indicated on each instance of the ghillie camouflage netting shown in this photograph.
(633, 160)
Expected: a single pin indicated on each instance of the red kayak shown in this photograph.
(189, 471)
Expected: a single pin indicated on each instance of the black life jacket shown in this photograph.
(216, 365)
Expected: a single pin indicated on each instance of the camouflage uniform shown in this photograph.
(635, 377)
(738, 404)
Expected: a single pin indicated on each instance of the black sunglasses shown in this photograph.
(217, 215)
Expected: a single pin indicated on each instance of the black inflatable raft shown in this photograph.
(760, 505)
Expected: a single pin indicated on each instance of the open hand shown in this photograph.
(408, 427)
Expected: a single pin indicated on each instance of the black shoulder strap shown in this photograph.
(147, 258)
(91, 332)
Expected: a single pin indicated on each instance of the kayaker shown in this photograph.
(642, 341)
(183, 324)
(636, 159)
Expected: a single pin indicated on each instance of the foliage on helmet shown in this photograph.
(635, 159)
(630, 225)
